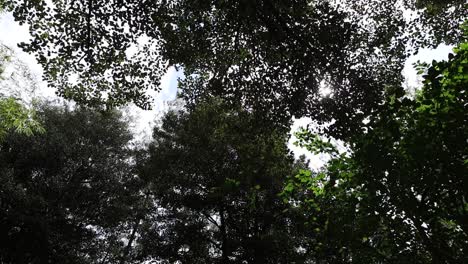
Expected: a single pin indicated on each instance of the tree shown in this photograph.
(215, 175)
(68, 195)
(402, 192)
(273, 56)
(13, 113)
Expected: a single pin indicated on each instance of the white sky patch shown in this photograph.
(144, 120)
(11, 33)
(316, 161)
(324, 89)
(424, 55)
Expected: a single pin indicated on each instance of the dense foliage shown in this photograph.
(401, 195)
(217, 183)
(216, 175)
(272, 55)
(66, 195)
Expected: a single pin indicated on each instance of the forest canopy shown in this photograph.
(217, 182)
(271, 55)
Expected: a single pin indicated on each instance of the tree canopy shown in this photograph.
(66, 194)
(218, 183)
(215, 176)
(401, 194)
(273, 56)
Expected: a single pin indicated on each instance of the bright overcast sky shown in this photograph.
(11, 33)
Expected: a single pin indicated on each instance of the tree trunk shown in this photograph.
(224, 242)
